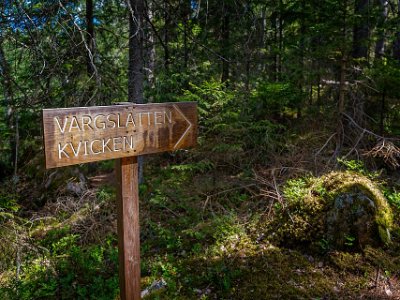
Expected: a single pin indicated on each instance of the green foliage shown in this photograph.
(215, 102)
(272, 99)
(106, 193)
(393, 198)
(8, 202)
(70, 271)
(197, 167)
(353, 165)
(296, 190)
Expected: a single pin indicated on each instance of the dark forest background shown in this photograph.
(293, 191)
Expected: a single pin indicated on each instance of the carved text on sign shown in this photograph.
(77, 135)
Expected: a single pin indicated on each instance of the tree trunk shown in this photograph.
(93, 85)
(361, 30)
(135, 65)
(90, 37)
(166, 35)
(341, 107)
(302, 52)
(342, 86)
(273, 49)
(360, 55)
(396, 43)
(186, 29)
(380, 43)
(280, 40)
(10, 117)
(225, 43)
(151, 50)
(135, 68)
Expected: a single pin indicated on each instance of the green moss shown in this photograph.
(341, 182)
(311, 202)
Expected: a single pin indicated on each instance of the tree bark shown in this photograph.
(361, 30)
(225, 43)
(360, 55)
(280, 40)
(396, 43)
(150, 48)
(90, 37)
(10, 117)
(135, 64)
(342, 86)
(166, 36)
(380, 43)
(186, 30)
(136, 38)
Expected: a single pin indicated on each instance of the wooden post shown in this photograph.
(128, 228)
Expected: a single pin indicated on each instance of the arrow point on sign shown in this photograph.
(187, 129)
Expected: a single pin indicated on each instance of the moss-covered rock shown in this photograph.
(337, 210)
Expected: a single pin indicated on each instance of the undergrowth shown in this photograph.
(209, 229)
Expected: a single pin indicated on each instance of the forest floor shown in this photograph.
(211, 228)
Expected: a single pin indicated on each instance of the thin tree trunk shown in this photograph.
(380, 43)
(186, 12)
(302, 51)
(383, 113)
(341, 107)
(90, 36)
(166, 35)
(280, 39)
(151, 50)
(225, 43)
(10, 117)
(342, 86)
(273, 49)
(396, 43)
(93, 85)
(360, 54)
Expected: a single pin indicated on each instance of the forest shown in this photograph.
(293, 189)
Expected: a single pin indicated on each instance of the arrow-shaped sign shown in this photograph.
(86, 134)
(187, 129)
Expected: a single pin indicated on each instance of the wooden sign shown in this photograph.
(87, 134)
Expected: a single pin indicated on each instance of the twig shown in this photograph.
(364, 130)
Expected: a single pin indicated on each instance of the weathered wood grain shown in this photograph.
(87, 134)
(128, 228)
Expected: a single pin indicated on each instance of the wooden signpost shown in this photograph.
(88, 134)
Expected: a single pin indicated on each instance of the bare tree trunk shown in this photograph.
(135, 65)
(360, 55)
(342, 86)
(90, 36)
(396, 43)
(302, 51)
(225, 42)
(272, 49)
(10, 117)
(166, 35)
(341, 107)
(379, 53)
(150, 57)
(361, 30)
(280, 40)
(186, 13)
(93, 85)
(380, 43)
